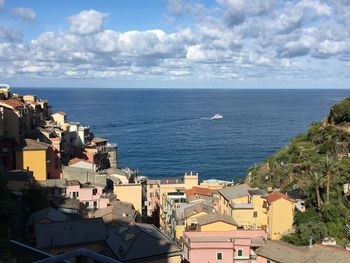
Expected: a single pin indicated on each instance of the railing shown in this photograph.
(81, 253)
(241, 205)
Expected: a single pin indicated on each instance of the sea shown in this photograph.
(167, 132)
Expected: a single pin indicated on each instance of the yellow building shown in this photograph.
(280, 211)
(244, 205)
(216, 222)
(30, 98)
(130, 193)
(207, 222)
(193, 212)
(60, 117)
(33, 158)
(15, 119)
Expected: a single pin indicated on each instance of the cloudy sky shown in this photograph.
(175, 43)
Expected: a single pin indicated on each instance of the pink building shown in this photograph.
(91, 196)
(223, 246)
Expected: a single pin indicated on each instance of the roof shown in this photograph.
(216, 181)
(236, 191)
(35, 145)
(59, 234)
(58, 183)
(99, 139)
(66, 203)
(199, 190)
(118, 212)
(274, 196)
(13, 103)
(48, 213)
(215, 217)
(77, 160)
(140, 241)
(60, 113)
(197, 208)
(296, 194)
(173, 180)
(38, 134)
(282, 252)
(19, 175)
(257, 192)
(151, 181)
(325, 254)
(200, 198)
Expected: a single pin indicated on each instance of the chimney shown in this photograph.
(310, 242)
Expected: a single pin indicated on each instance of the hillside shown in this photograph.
(319, 163)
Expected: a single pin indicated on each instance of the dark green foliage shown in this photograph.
(318, 163)
(340, 113)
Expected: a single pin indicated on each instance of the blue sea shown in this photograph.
(166, 132)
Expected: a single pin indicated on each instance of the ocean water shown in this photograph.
(166, 132)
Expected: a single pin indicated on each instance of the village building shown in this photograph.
(280, 215)
(222, 246)
(40, 158)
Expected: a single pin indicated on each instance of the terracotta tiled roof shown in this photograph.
(276, 196)
(76, 160)
(13, 103)
(199, 191)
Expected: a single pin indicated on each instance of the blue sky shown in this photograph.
(175, 43)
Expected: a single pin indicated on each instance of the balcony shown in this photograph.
(241, 205)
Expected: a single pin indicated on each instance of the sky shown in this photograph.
(175, 43)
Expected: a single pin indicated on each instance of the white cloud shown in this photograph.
(87, 22)
(2, 3)
(182, 7)
(329, 47)
(234, 40)
(23, 13)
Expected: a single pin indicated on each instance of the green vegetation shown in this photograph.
(317, 162)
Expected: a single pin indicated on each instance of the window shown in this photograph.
(255, 214)
(95, 204)
(57, 163)
(268, 261)
(240, 252)
(86, 204)
(219, 256)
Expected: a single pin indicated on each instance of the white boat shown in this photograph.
(217, 117)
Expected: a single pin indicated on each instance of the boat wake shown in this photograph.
(215, 117)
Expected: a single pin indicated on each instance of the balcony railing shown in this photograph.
(241, 205)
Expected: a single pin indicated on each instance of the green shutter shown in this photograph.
(86, 204)
(240, 252)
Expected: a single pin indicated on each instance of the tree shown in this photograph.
(317, 180)
(328, 169)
